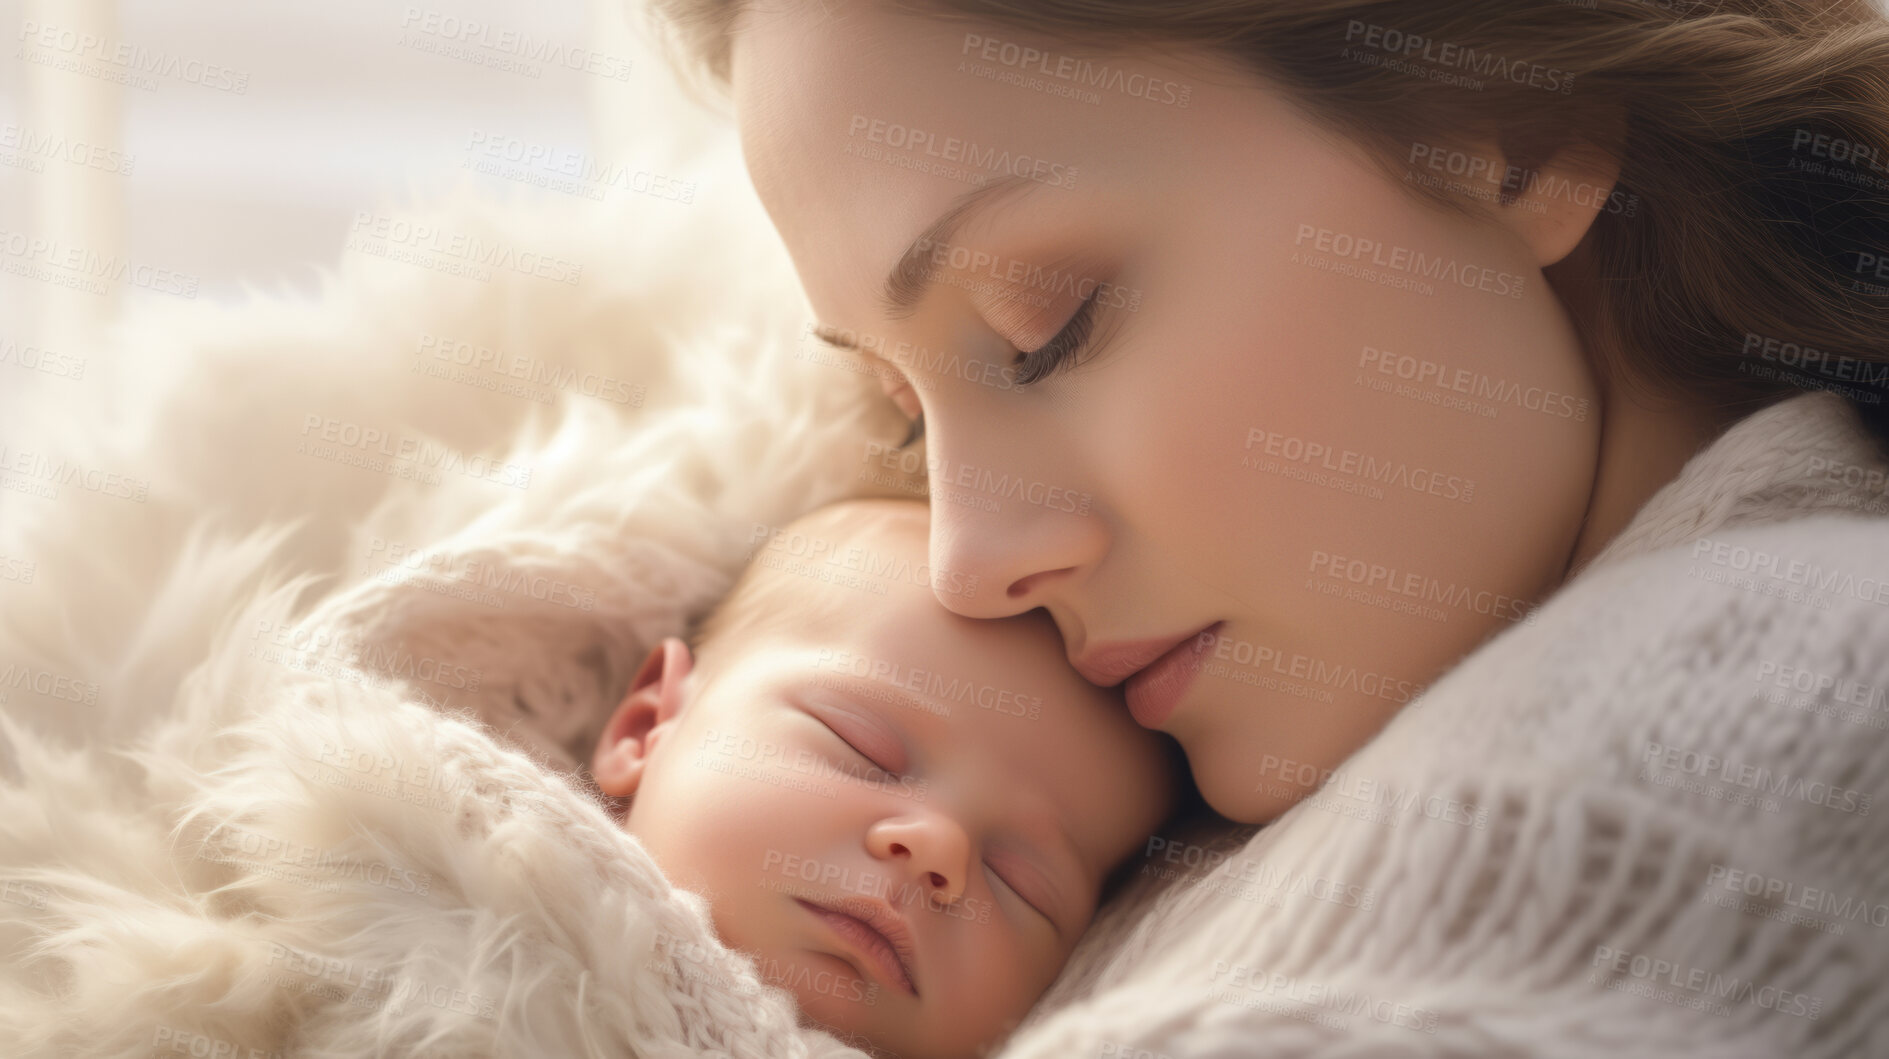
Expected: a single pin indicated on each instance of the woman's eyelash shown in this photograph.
(1038, 364)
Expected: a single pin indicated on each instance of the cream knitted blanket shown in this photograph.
(1647, 823)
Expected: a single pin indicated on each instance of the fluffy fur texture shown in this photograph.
(318, 805)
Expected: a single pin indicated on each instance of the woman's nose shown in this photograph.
(932, 849)
(995, 556)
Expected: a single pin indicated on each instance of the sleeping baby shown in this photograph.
(905, 816)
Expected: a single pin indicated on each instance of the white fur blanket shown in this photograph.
(251, 798)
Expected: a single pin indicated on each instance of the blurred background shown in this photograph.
(197, 149)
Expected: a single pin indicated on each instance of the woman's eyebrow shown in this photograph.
(912, 275)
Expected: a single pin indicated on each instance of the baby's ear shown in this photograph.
(655, 698)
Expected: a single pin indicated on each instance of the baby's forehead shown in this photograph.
(853, 602)
(854, 578)
(845, 557)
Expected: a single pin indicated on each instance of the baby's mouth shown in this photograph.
(875, 936)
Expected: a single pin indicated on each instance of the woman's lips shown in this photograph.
(869, 943)
(1155, 691)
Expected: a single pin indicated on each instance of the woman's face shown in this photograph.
(1319, 438)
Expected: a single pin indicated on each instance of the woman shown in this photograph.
(1288, 355)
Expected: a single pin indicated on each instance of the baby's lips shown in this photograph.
(876, 933)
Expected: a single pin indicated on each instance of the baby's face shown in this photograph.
(904, 815)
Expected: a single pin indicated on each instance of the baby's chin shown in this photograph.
(864, 1014)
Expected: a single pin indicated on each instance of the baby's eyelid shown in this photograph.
(869, 759)
(915, 433)
(1021, 896)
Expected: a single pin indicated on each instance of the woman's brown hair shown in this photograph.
(1743, 253)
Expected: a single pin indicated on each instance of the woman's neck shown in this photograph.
(1642, 448)
(1644, 441)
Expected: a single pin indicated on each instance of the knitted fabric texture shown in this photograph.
(1605, 832)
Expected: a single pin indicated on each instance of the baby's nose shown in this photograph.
(931, 847)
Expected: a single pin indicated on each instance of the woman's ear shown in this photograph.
(648, 711)
(1549, 203)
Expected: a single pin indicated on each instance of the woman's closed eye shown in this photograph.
(1033, 366)
(1061, 351)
